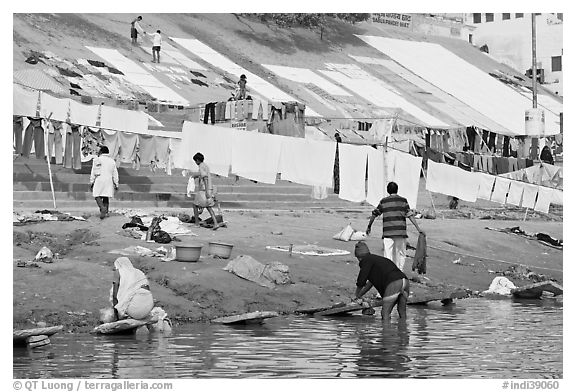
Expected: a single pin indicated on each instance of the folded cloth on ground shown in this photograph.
(268, 275)
(311, 250)
(138, 251)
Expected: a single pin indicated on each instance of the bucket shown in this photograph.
(220, 249)
(188, 252)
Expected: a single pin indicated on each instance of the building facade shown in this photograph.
(508, 38)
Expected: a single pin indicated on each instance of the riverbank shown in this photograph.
(462, 253)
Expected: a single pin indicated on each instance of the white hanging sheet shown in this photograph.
(307, 162)
(543, 200)
(501, 187)
(58, 107)
(376, 179)
(529, 196)
(255, 156)
(82, 114)
(352, 162)
(406, 173)
(124, 120)
(25, 101)
(515, 193)
(452, 181)
(214, 142)
(485, 185)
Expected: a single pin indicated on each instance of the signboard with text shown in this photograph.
(398, 20)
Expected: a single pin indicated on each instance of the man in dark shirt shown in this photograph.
(383, 274)
(394, 210)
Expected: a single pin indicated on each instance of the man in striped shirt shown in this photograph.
(394, 210)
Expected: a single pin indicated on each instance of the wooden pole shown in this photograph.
(48, 161)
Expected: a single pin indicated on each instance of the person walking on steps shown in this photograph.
(103, 180)
(381, 273)
(205, 196)
(156, 43)
(136, 29)
(394, 210)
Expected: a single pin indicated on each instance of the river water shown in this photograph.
(474, 338)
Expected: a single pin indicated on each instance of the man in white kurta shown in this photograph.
(103, 180)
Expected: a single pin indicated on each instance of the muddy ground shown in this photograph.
(462, 253)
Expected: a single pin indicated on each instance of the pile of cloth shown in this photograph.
(19, 219)
(543, 238)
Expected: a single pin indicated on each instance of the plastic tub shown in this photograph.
(188, 252)
(220, 249)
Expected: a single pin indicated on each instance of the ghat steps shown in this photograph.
(144, 188)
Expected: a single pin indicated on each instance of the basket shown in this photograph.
(188, 252)
(220, 249)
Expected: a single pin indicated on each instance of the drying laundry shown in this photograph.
(557, 197)
(256, 156)
(529, 196)
(198, 74)
(25, 102)
(452, 181)
(485, 185)
(92, 140)
(72, 155)
(123, 120)
(83, 114)
(376, 179)
(543, 200)
(381, 129)
(405, 172)
(352, 160)
(501, 187)
(214, 142)
(307, 162)
(112, 141)
(128, 143)
(515, 193)
(55, 108)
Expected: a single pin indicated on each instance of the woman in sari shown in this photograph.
(130, 294)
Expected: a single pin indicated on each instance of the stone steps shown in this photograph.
(144, 188)
(232, 205)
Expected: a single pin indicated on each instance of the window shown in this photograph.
(505, 16)
(489, 17)
(518, 16)
(556, 63)
(477, 18)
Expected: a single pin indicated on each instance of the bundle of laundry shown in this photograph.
(349, 234)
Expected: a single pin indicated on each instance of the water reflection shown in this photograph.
(473, 338)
